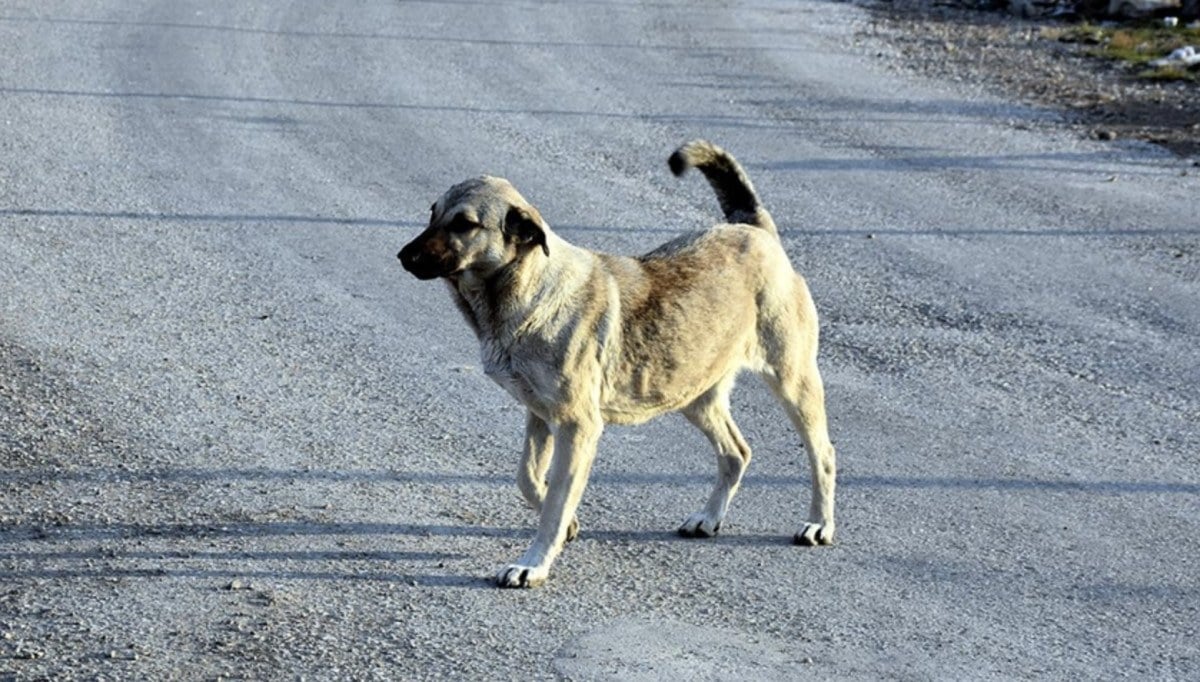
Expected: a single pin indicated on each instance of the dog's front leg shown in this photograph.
(574, 450)
(535, 460)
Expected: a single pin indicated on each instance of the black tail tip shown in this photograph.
(678, 163)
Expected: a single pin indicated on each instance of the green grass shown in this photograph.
(1138, 45)
(1169, 73)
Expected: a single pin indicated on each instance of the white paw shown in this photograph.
(518, 575)
(813, 534)
(699, 525)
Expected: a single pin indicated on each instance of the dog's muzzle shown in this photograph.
(422, 264)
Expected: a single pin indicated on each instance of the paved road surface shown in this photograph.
(238, 440)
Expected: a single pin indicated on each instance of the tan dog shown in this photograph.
(585, 339)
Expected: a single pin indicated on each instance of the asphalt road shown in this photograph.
(236, 439)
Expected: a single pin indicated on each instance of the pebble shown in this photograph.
(123, 655)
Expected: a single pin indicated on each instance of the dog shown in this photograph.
(584, 339)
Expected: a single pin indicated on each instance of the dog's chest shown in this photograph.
(511, 372)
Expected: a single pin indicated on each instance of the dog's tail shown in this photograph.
(734, 191)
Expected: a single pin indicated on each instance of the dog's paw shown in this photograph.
(573, 529)
(517, 575)
(813, 534)
(699, 525)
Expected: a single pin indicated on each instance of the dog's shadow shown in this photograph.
(731, 539)
(106, 551)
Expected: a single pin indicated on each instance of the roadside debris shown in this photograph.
(1184, 56)
(1093, 9)
(1136, 9)
(1096, 73)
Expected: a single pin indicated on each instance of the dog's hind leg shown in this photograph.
(787, 335)
(800, 390)
(535, 461)
(710, 414)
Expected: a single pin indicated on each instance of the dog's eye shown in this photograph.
(460, 225)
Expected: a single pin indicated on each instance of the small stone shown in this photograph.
(237, 585)
(1106, 135)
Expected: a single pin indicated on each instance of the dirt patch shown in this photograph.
(1040, 61)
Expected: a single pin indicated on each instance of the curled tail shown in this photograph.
(735, 193)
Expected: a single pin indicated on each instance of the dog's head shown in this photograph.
(482, 226)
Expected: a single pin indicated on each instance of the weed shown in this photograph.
(1138, 45)
(1167, 74)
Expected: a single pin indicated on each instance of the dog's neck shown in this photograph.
(521, 297)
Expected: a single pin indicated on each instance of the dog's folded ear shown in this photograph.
(525, 226)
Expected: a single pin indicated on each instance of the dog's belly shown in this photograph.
(626, 412)
(642, 391)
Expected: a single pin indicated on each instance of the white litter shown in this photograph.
(1184, 56)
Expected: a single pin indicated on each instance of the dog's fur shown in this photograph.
(584, 339)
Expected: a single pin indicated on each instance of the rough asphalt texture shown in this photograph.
(236, 439)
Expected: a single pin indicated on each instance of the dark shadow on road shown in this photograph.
(414, 580)
(172, 562)
(942, 114)
(13, 536)
(886, 232)
(776, 121)
(233, 555)
(243, 529)
(715, 120)
(425, 37)
(256, 529)
(568, 228)
(385, 476)
(206, 217)
(933, 163)
(1022, 484)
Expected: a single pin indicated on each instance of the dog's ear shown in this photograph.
(525, 226)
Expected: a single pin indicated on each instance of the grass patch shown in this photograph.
(1137, 46)
(1167, 74)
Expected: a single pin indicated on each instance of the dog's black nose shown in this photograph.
(421, 263)
(409, 256)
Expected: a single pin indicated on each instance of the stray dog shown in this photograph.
(585, 339)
